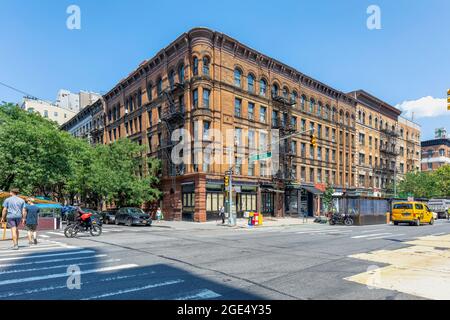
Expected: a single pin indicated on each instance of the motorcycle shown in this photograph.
(341, 218)
(85, 224)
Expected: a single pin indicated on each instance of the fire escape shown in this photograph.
(389, 153)
(283, 108)
(172, 118)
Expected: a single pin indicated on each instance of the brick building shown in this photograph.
(436, 152)
(206, 82)
(388, 145)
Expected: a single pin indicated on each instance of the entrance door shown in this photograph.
(267, 205)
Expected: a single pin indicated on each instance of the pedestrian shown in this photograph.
(159, 215)
(30, 220)
(13, 211)
(222, 214)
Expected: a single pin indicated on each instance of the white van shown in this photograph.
(440, 206)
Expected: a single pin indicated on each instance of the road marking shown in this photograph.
(200, 295)
(50, 261)
(51, 288)
(57, 234)
(48, 255)
(322, 231)
(386, 236)
(30, 251)
(150, 286)
(437, 234)
(63, 275)
(371, 235)
(44, 236)
(58, 266)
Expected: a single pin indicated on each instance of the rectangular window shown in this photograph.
(238, 166)
(303, 150)
(274, 118)
(251, 139)
(294, 122)
(237, 107)
(333, 135)
(319, 175)
(327, 132)
(303, 174)
(327, 155)
(303, 125)
(251, 169)
(319, 153)
(206, 94)
(311, 175)
(263, 114)
(195, 98)
(206, 127)
(251, 111)
(362, 139)
(238, 136)
(294, 147)
(311, 151)
(263, 141)
(319, 131)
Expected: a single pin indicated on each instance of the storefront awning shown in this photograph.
(312, 190)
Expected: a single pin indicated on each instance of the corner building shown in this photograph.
(207, 81)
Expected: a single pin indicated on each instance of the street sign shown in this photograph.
(237, 189)
(261, 156)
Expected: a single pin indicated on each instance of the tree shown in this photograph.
(328, 198)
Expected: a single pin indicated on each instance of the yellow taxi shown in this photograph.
(414, 213)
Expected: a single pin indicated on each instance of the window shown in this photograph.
(238, 136)
(319, 131)
(362, 159)
(251, 169)
(303, 174)
(319, 109)
(362, 139)
(251, 111)
(303, 102)
(441, 152)
(139, 98)
(237, 107)
(327, 132)
(159, 87)
(311, 175)
(275, 90)
(319, 153)
(45, 113)
(327, 155)
(311, 151)
(285, 93)
(303, 125)
(206, 127)
(430, 166)
(251, 139)
(181, 73)
(262, 87)
(55, 114)
(319, 175)
(263, 114)
(294, 147)
(206, 94)
(294, 97)
(263, 141)
(195, 67)
(274, 118)
(238, 166)
(206, 66)
(171, 79)
(237, 77)
(303, 150)
(149, 91)
(195, 98)
(251, 83)
(294, 122)
(327, 112)
(312, 105)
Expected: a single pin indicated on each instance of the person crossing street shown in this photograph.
(30, 220)
(12, 213)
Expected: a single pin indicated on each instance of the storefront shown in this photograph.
(246, 199)
(302, 200)
(215, 199)
(188, 200)
(267, 200)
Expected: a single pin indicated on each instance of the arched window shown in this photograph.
(181, 73)
(319, 109)
(262, 87)
(303, 102)
(285, 92)
(333, 114)
(251, 83)
(312, 105)
(171, 79)
(237, 77)
(195, 66)
(149, 91)
(159, 87)
(376, 123)
(360, 116)
(275, 90)
(364, 118)
(139, 98)
(294, 97)
(341, 116)
(347, 119)
(370, 120)
(327, 112)
(206, 66)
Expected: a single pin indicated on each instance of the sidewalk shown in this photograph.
(268, 222)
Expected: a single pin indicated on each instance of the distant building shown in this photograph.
(47, 110)
(436, 152)
(75, 101)
(67, 105)
(88, 123)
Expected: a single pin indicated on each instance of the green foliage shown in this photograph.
(426, 184)
(328, 198)
(39, 158)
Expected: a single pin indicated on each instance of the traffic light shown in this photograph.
(314, 141)
(226, 181)
(448, 99)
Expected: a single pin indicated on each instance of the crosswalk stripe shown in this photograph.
(322, 231)
(63, 275)
(371, 235)
(50, 261)
(150, 286)
(57, 234)
(383, 237)
(200, 295)
(44, 236)
(25, 251)
(57, 267)
(51, 288)
(48, 255)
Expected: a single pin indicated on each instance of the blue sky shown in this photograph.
(408, 59)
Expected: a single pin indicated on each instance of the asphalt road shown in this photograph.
(297, 262)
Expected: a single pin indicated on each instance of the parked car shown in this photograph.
(109, 216)
(414, 213)
(132, 216)
(440, 206)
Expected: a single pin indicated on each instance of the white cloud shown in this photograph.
(424, 107)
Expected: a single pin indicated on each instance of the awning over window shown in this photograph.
(312, 190)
